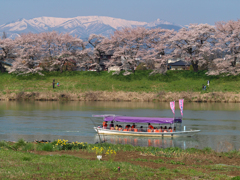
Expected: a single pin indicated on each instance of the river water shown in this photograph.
(219, 122)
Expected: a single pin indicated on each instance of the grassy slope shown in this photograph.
(174, 81)
(154, 163)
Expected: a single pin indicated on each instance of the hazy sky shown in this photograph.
(182, 12)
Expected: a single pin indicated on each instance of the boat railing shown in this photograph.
(144, 129)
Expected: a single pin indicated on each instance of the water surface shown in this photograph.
(219, 122)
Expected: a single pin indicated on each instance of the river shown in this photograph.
(219, 122)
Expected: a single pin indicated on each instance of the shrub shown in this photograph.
(45, 147)
(64, 145)
(3, 144)
(207, 150)
(236, 178)
(28, 147)
(162, 168)
(19, 144)
(141, 66)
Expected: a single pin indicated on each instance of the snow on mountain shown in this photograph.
(81, 26)
(157, 22)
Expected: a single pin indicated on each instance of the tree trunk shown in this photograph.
(234, 62)
(195, 66)
(133, 70)
(2, 69)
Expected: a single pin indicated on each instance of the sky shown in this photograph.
(181, 12)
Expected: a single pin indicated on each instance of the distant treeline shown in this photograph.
(213, 48)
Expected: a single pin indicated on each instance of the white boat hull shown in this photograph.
(148, 134)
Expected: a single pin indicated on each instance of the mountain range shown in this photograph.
(81, 26)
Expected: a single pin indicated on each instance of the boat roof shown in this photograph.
(131, 119)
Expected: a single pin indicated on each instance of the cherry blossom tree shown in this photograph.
(158, 45)
(132, 46)
(193, 43)
(52, 51)
(94, 53)
(69, 50)
(128, 46)
(28, 49)
(223, 66)
(228, 36)
(47, 51)
(6, 47)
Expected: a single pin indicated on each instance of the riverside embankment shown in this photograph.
(103, 86)
(123, 96)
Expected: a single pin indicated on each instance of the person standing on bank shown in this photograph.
(53, 83)
(58, 84)
(208, 82)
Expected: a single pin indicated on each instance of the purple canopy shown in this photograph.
(103, 115)
(155, 120)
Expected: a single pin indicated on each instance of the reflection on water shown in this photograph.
(161, 142)
(219, 122)
(102, 105)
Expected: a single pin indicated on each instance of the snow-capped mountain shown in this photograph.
(81, 26)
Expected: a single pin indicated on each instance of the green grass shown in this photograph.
(19, 163)
(174, 81)
(156, 151)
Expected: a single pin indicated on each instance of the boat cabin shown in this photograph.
(140, 124)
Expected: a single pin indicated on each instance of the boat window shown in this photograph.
(178, 126)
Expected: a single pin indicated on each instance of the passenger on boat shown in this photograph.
(127, 126)
(133, 126)
(116, 127)
(111, 125)
(170, 129)
(141, 129)
(120, 128)
(165, 129)
(160, 129)
(149, 130)
(150, 126)
(156, 130)
(104, 124)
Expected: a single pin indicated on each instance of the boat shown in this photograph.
(144, 126)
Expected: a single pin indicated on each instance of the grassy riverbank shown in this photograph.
(49, 161)
(139, 87)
